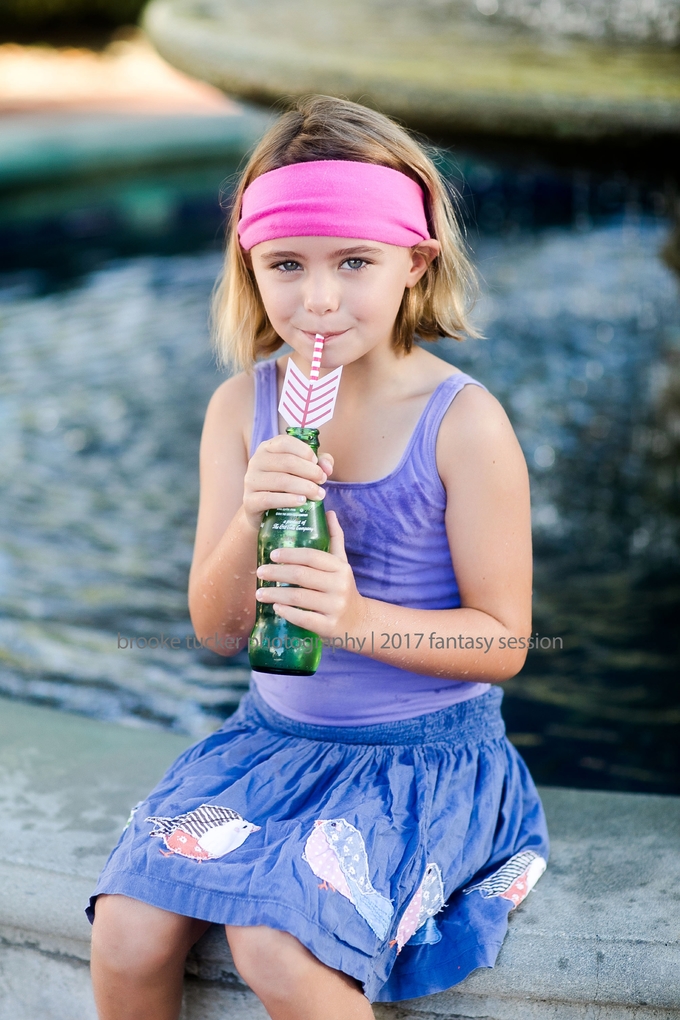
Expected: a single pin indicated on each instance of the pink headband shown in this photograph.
(333, 198)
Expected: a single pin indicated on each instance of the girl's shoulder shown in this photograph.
(231, 408)
(475, 429)
(239, 387)
(473, 407)
(473, 425)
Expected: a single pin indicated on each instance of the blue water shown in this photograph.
(106, 372)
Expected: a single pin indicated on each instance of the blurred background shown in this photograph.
(121, 132)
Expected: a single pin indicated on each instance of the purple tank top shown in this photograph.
(396, 543)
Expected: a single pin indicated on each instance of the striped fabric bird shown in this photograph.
(514, 880)
(336, 853)
(418, 926)
(207, 832)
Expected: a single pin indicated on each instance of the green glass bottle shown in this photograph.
(275, 645)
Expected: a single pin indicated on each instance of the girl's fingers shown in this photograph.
(279, 481)
(284, 443)
(323, 603)
(289, 483)
(315, 558)
(289, 454)
(291, 464)
(303, 618)
(275, 478)
(295, 573)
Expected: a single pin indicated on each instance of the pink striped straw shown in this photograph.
(316, 356)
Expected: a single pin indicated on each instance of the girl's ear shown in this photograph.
(247, 259)
(422, 256)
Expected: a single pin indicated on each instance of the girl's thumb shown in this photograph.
(337, 545)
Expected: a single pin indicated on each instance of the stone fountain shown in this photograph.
(557, 68)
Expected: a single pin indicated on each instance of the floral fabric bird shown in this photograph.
(336, 853)
(418, 925)
(203, 834)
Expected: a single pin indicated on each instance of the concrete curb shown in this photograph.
(599, 938)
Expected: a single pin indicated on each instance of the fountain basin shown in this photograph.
(428, 64)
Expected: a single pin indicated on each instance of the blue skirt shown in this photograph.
(394, 852)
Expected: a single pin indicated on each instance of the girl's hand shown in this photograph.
(283, 471)
(327, 601)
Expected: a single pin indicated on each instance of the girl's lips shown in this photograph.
(326, 336)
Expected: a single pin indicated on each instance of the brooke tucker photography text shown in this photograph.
(348, 642)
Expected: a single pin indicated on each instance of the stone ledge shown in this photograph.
(599, 939)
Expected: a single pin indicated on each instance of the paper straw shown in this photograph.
(316, 356)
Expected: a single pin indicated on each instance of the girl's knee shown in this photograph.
(273, 963)
(133, 938)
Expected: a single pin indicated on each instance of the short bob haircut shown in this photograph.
(321, 127)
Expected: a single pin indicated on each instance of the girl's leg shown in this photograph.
(290, 982)
(138, 954)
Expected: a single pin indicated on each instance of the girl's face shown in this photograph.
(348, 290)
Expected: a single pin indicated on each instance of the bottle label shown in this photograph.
(291, 520)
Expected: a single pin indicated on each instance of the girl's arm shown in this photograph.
(222, 576)
(235, 492)
(489, 529)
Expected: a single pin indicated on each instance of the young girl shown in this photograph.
(364, 832)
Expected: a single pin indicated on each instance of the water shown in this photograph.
(585, 356)
(106, 374)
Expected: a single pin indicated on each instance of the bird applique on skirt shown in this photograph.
(393, 852)
(204, 834)
(336, 853)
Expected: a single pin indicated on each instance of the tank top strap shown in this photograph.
(265, 416)
(423, 452)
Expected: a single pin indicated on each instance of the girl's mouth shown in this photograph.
(326, 336)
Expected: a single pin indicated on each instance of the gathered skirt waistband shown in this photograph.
(468, 722)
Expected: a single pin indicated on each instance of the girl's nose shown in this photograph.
(322, 295)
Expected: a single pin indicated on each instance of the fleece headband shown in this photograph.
(333, 198)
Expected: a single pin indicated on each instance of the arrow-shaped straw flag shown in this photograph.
(308, 403)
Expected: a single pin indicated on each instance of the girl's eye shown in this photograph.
(289, 266)
(355, 263)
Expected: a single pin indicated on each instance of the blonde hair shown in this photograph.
(321, 127)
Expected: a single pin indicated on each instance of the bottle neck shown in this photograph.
(308, 436)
